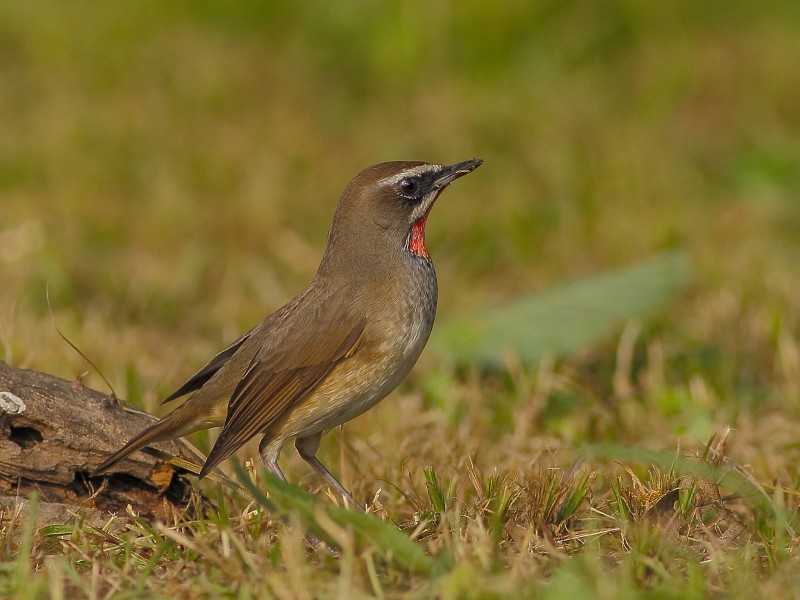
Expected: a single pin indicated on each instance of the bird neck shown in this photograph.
(416, 238)
(355, 259)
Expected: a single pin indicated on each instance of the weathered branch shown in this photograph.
(53, 433)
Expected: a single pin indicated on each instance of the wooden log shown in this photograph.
(53, 433)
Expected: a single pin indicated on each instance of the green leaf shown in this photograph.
(561, 320)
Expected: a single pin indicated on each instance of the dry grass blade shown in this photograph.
(286, 500)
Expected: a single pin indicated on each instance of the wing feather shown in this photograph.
(199, 379)
(280, 375)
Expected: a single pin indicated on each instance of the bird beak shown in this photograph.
(453, 172)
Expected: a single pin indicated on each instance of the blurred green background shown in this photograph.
(169, 169)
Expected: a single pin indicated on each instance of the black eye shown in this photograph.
(409, 186)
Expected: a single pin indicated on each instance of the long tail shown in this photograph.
(167, 428)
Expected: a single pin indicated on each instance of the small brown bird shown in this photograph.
(337, 348)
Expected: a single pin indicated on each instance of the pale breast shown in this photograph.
(393, 341)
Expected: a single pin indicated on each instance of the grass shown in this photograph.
(168, 173)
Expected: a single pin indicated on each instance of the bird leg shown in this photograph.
(270, 458)
(307, 448)
(273, 466)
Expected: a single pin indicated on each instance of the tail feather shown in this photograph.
(165, 429)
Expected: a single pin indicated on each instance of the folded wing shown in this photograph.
(301, 352)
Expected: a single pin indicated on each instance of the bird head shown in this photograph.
(383, 210)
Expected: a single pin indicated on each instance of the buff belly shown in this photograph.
(355, 386)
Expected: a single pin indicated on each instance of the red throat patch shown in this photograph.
(416, 237)
(416, 240)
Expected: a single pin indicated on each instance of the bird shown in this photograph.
(337, 348)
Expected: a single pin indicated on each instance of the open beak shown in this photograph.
(453, 172)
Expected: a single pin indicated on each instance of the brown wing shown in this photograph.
(286, 369)
(199, 379)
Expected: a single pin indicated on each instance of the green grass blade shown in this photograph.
(563, 319)
(393, 545)
(435, 493)
(730, 477)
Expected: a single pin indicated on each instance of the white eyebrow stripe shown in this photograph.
(412, 172)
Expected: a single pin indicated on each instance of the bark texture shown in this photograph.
(54, 432)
